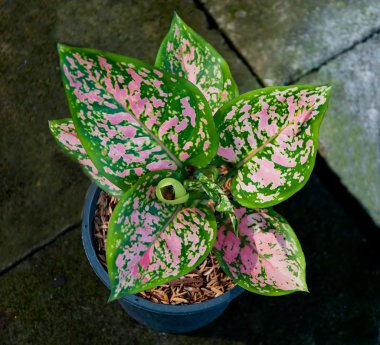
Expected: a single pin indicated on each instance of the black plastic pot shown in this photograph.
(161, 317)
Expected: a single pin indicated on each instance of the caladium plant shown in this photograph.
(196, 166)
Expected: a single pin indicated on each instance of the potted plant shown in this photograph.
(197, 168)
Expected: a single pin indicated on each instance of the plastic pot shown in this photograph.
(161, 317)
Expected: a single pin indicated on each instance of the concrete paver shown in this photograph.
(350, 132)
(42, 190)
(282, 40)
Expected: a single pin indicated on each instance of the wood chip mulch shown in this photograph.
(204, 282)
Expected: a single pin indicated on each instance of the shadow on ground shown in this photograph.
(55, 298)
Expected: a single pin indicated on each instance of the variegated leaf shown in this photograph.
(133, 118)
(150, 242)
(266, 257)
(65, 134)
(186, 54)
(271, 137)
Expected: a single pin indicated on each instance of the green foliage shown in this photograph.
(147, 135)
(223, 203)
(271, 137)
(266, 257)
(185, 53)
(152, 242)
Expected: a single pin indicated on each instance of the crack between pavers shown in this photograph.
(329, 178)
(42, 245)
(372, 34)
(212, 23)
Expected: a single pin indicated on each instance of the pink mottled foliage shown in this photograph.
(271, 136)
(266, 257)
(134, 125)
(133, 118)
(151, 242)
(66, 136)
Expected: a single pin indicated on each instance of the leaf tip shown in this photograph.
(111, 298)
(64, 49)
(304, 287)
(61, 47)
(51, 124)
(328, 89)
(176, 18)
(178, 22)
(113, 295)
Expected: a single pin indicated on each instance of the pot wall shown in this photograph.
(161, 317)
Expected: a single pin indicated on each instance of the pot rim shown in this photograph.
(87, 239)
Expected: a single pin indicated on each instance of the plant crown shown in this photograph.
(196, 166)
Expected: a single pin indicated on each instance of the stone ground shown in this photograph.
(48, 292)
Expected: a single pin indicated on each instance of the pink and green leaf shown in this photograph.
(185, 53)
(271, 137)
(266, 257)
(133, 118)
(65, 134)
(150, 242)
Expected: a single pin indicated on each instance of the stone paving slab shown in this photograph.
(139, 33)
(350, 133)
(42, 190)
(282, 40)
(55, 298)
